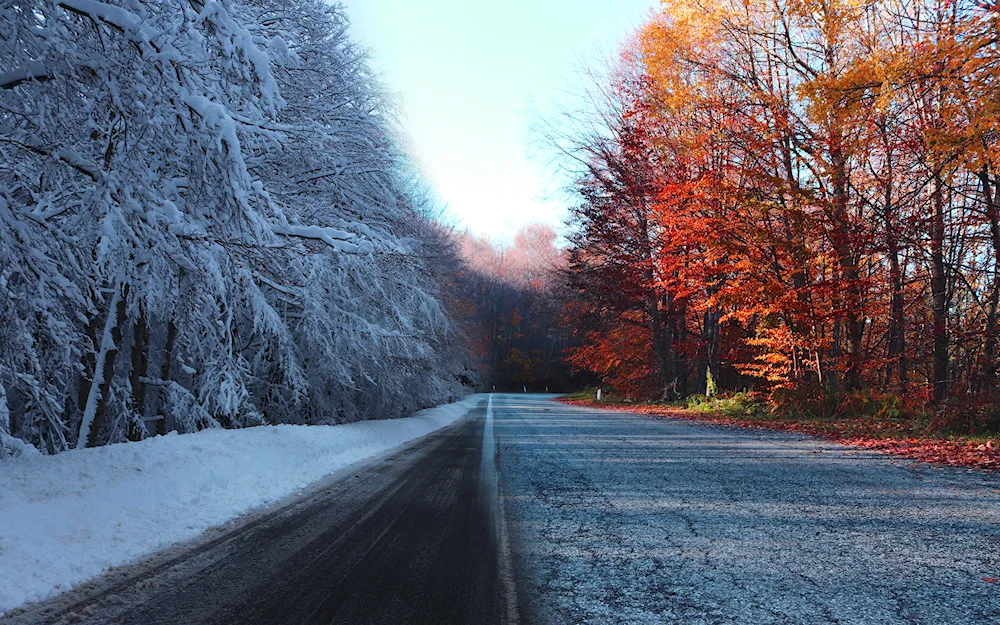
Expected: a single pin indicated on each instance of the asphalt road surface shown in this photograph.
(619, 518)
(406, 539)
(531, 511)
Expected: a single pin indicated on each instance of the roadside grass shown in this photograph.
(583, 395)
(881, 423)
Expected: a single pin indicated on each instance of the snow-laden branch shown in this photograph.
(339, 171)
(67, 155)
(274, 285)
(36, 72)
(128, 23)
(339, 240)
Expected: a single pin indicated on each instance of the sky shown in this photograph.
(471, 78)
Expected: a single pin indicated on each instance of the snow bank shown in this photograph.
(69, 517)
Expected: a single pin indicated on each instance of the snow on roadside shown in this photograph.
(67, 518)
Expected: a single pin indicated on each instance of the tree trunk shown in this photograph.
(989, 372)
(939, 294)
(841, 231)
(711, 323)
(140, 369)
(162, 427)
(897, 320)
(678, 326)
(897, 315)
(94, 413)
(88, 362)
(662, 344)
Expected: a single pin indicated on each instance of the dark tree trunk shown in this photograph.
(162, 426)
(88, 362)
(989, 373)
(854, 324)
(897, 319)
(711, 338)
(678, 323)
(662, 342)
(108, 370)
(897, 313)
(939, 293)
(853, 315)
(140, 369)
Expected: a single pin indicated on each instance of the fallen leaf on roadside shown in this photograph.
(991, 580)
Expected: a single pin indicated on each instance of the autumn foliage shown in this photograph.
(796, 197)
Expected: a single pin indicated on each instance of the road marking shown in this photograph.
(491, 481)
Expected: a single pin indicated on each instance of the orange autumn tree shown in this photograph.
(618, 255)
(819, 193)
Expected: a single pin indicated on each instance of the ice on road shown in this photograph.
(620, 518)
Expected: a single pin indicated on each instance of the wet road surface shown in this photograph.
(408, 539)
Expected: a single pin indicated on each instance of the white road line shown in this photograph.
(491, 481)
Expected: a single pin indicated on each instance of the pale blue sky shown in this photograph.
(470, 77)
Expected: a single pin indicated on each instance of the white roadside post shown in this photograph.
(598, 393)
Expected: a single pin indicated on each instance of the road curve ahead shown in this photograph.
(619, 518)
(407, 539)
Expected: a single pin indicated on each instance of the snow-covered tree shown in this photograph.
(204, 222)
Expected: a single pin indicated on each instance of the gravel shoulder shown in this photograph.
(622, 518)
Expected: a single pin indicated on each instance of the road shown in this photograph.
(619, 518)
(535, 512)
(406, 539)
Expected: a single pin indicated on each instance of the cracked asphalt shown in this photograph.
(620, 518)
